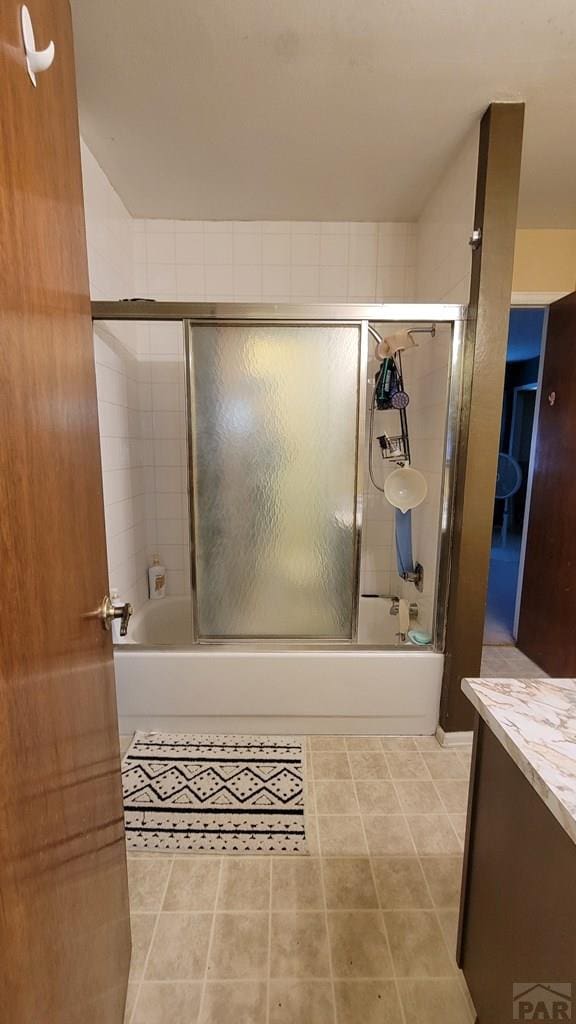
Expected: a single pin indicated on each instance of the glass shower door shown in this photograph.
(273, 430)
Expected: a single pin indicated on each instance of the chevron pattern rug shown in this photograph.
(214, 794)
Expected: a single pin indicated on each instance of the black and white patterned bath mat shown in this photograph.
(206, 794)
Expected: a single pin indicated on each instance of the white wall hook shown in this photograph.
(36, 60)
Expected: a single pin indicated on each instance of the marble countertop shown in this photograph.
(535, 721)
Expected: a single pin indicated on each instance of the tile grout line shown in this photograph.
(309, 787)
(373, 876)
(417, 855)
(311, 977)
(451, 953)
(324, 900)
(152, 937)
(269, 964)
(328, 942)
(210, 940)
(433, 907)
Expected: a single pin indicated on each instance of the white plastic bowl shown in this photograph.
(405, 488)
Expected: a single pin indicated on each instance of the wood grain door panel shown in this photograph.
(64, 927)
(548, 605)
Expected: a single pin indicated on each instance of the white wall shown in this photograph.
(124, 458)
(426, 375)
(162, 383)
(116, 351)
(109, 234)
(378, 561)
(443, 255)
(274, 261)
(140, 385)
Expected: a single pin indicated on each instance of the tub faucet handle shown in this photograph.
(395, 607)
(109, 611)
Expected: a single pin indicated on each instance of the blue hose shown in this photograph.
(403, 531)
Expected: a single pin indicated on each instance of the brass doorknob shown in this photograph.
(108, 612)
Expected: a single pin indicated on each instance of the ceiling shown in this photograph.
(319, 109)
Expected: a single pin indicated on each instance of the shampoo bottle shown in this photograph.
(156, 579)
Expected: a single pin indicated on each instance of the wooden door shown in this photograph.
(64, 926)
(548, 605)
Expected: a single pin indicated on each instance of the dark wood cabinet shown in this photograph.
(517, 933)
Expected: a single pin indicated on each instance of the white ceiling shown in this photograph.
(319, 109)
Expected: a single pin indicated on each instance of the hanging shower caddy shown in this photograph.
(389, 394)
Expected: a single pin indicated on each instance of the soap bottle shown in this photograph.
(156, 580)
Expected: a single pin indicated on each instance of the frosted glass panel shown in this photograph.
(274, 423)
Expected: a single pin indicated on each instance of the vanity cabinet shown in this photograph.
(517, 928)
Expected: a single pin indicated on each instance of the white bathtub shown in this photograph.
(243, 689)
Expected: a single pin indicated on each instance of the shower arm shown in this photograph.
(414, 330)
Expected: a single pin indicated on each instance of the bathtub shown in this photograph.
(262, 688)
(167, 622)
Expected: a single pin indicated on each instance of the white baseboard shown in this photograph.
(453, 739)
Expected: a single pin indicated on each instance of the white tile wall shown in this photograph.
(140, 384)
(425, 379)
(426, 371)
(123, 462)
(110, 261)
(161, 359)
(378, 558)
(274, 261)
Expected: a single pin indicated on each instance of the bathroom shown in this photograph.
(258, 767)
(190, 390)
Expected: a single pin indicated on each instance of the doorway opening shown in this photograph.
(519, 406)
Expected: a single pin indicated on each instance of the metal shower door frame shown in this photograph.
(361, 381)
(361, 314)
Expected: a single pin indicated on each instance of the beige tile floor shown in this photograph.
(360, 932)
(507, 662)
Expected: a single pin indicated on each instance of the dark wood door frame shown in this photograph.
(498, 177)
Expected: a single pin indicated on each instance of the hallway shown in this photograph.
(502, 584)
